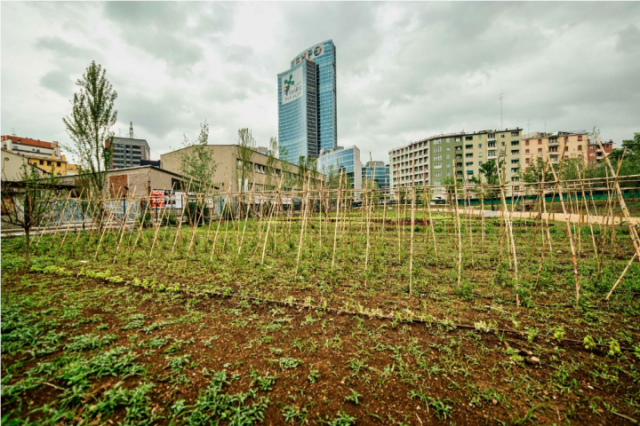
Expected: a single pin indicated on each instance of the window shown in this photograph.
(539, 150)
(491, 145)
(438, 158)
(514, 134)
(448, 164)
(41, 162)
(579, 137)
(579, 147)
(437, 174)
(526, 160)
(526, 151)
(502, 136)
(526, 143)
(479, 137)
(479, 163)
(468, 146)
(458, 139)
(468, 138)
(437, 149)
(539, 141)
(479, 145)
(490, 135)
(447, 140)
(468, 155)
(59, 162)
(515, 143)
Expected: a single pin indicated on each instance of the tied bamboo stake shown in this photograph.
(266, 238)
(568, 223)
(413, 219)
(304, 220)
(509, 229)
(458, 225)
(335, 235)
(621, 276)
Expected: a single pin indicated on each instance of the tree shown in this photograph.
(272, 175)
(89, 125)
(197, 162)
(26, 203)
(490, 172)
(533, 173)
(246, 150)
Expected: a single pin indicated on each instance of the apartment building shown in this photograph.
(554, 146)
(128, 152)
(44, 155)
(431, 161)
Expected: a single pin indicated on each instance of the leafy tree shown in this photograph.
(26, 203)
(246, 150)
(533, 173)
(89, 126)
(271, 181)
(490, 172)
(198, 161)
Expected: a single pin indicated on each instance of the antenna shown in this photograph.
(501, 98)
(131, 129)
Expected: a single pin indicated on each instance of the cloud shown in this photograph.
(405, 71)
(58, 81)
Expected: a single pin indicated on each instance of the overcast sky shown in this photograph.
(405, 71)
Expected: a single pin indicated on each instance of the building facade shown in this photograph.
(228, 170)
(554, 146)
(128, 152)
(298, 112)
(45, 156)
(436, 160)
(347, 160)
(307, 107)
(376, 171)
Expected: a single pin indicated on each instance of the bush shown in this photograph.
(169, 219)
(197, 213)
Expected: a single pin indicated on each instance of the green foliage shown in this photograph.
(197, 161)
(89, 125)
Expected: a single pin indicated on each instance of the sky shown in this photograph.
(405, 71)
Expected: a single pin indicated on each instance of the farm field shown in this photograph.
(246, 321)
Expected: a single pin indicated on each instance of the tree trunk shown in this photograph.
(27, 233)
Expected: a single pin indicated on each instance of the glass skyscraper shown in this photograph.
(307, 121)
(377, 171)
(345, 159)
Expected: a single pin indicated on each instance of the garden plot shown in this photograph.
(348, 318)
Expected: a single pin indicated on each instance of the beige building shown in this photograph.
(228, 171)
(12, 166)
(553, 146)
(136, 181)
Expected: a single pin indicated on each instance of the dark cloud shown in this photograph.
(404, 70)
(59, 82)
(629, 40)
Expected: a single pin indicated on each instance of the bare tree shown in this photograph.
(26, 203)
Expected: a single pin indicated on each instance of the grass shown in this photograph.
(178, 338)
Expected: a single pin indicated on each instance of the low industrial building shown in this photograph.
(228, 175)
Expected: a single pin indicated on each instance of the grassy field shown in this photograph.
(189, 334)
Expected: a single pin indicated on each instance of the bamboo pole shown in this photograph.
(335, 235)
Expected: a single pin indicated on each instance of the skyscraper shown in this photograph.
(307, 118)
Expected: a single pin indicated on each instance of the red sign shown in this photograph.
(157, 198)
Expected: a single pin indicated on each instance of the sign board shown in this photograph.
(310, 54)
(157, 199)
(291, 86)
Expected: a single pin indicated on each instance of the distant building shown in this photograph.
(307, 107)
(136, 181)
(347, 160)
(228, 173)
(12, 166)
(434, 160)
(44, 155)
(554, 146)
(154, 163)
(376, 171)
(128, 152)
